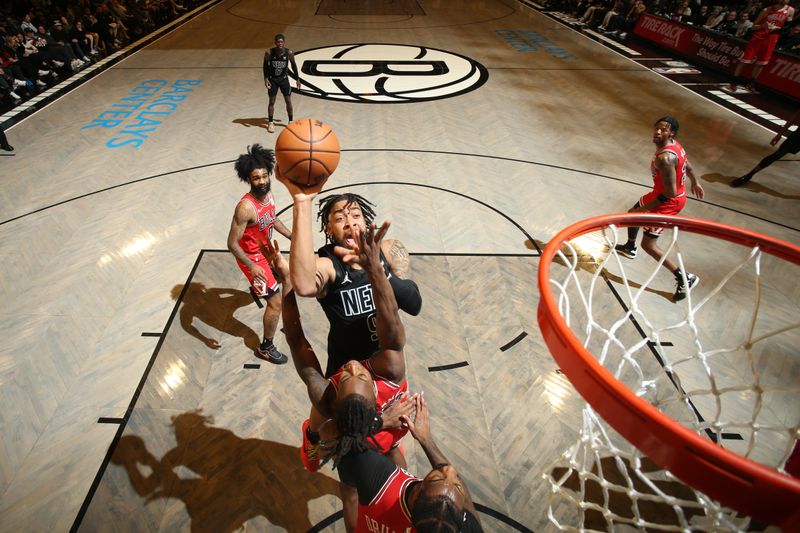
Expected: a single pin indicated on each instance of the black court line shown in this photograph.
(662, 343)
(732, 436)
(447, 367)
(252, 365)
(326, 522)
(651, 346)
(115, 441)
(110, 420)
(439, 152)
(150, 334)
(111, 188)
(514, 341)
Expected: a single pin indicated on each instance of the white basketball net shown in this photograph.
(735, 378)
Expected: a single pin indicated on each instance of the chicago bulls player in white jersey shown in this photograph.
(252, 223)
(669, 167)
(766, 31)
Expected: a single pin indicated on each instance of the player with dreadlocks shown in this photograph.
(391, 499)
(340, 284)
(363, 398)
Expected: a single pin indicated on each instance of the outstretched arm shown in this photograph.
(305, 360)
(389, 361)
(420, 429)
(310, 274)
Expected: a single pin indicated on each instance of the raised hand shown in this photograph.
(420, 426)
(299, 192)
(405, 406)
(367, 246)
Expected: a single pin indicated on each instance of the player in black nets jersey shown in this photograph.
(340, 286)
(276, 76)
(342, 289)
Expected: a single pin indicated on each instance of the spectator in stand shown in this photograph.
(700, 16)
(619, 26)
(714, 18)
(789, 41)
(62, 35)
(594, 13)
(8, 87)
(55, 54)
(752, 9)
(729, 24)
(682, 13)
(744, 25)
(616, 11)
(93, 26)
(88, 40)
(27, 22)
(31, 66)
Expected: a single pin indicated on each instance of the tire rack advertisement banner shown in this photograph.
(718, 51)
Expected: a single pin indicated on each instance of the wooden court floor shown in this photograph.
(116, 277)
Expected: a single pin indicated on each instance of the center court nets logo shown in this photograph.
(386, 73)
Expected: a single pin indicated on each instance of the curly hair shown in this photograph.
(327, 203)
(256, 157)
(357, 422)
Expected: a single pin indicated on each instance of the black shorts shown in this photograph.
(283, 85)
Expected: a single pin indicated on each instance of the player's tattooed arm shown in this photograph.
(400, 260)
(666, 163)
(406, 291)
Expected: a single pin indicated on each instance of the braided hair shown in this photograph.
(357, 421)
(437, 515)
(326, 204)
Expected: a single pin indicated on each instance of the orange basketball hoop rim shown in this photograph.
(733, 480)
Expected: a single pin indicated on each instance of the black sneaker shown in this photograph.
(738, 182)
(271, 353)
(626, 250)
(680, 292)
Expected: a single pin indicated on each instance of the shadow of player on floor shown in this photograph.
(232, 480)
(214, 307)
(255, 122)
(752, 186)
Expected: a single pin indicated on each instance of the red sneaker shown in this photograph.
(309, 453)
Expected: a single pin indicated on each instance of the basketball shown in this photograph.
(307, 151)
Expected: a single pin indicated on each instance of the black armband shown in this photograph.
(662, 198)
(377, 424)
(407, 295)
